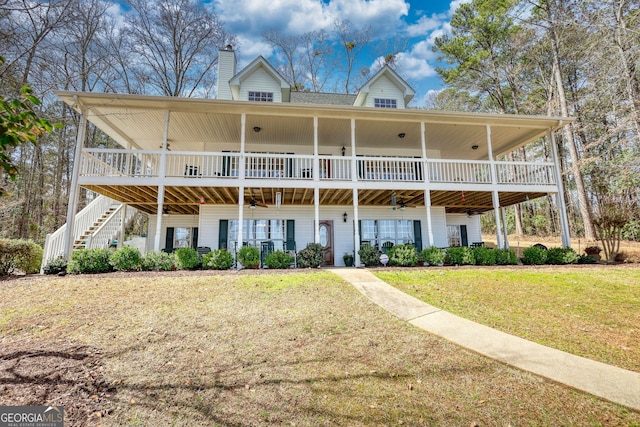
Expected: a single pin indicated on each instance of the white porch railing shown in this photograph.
(133, 163)
(203, 165)
(103, 236)
(527, 173)
(389, 169)
(54, 243)
(108, 162)
(459, 171)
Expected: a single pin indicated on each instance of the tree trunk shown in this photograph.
(585, 213)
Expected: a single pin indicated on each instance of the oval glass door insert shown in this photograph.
(323, 236)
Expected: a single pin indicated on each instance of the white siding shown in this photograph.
(384, 88)
(226, 70)
(260, 80)
(439, 223)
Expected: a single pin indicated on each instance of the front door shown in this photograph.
(326, 240)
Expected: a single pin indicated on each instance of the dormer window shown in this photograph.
(261, 96)
(384, 103)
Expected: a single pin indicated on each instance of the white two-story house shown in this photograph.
(265, 165)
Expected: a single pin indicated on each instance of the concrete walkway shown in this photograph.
(617, 385)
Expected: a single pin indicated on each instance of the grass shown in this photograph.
(589, 311)
(303, 349)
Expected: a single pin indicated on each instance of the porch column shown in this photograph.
(316, 160)
(354, 167)
(316, 214)
(69, 235)
(161, 175)
(159, 213)
(123, 224)
(496, 210)
(427, 206)
(494, 183)
(239, 238)
(243, 139)
(504, 227)
(356, 229)
(562, 207)
(427, 184)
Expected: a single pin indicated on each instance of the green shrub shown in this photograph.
(587, 259)
(460, 255)
(89, 261)
(562, 256)
(311, 256)
(126, 259)
(433, 255)
(484, 256)
(249, 257)
(534, 256)
(220, 259)
(55, 266)
(187, 259)
(369, 256)
(23, 255)
(506, 257)
(403, 255)
(158, 261)
(278, 259)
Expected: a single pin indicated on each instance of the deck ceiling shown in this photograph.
(136, 121)
(186, 200)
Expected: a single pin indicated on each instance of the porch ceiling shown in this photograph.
(212, 125)
(186, 200)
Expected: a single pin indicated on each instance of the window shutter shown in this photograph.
(194, 237)
(222, 234)
(291, 235)
(417, 235)
(168, 244)
(463, 235)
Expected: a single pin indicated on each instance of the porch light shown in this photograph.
(344, 217)
(401, 135)
(344, 150)
(257, 129)
(474, 147)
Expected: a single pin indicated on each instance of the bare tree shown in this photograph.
(352, 41)
(177, 45)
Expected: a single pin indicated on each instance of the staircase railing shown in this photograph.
(54, 243)
(104, 235)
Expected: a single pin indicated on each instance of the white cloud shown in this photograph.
(414, 68)
(424, 25)
(455, 4)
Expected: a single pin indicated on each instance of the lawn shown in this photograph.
(591, 311)
(235, 349)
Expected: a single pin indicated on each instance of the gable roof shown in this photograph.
(391, 74)
(236, 80)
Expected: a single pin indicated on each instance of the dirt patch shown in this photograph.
(36, 373)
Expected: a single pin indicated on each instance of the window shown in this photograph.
(182, 237)
(379, 232)
(453, 235)
(261, 96)
(384, 103)
(256, 231)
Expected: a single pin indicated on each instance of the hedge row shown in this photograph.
(408, 256)
(19, 255)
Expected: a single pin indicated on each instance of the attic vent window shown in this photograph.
(261, 96)
(385, 103)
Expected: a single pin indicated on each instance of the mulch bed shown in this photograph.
(36, 373)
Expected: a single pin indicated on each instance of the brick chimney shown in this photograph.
(226, 70)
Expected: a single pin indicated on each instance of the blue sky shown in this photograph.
(417, 21)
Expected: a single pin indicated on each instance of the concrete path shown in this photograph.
(617, 385)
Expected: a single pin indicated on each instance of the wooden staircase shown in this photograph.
(81, 242)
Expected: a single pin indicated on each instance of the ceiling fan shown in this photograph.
(253, 203)
(399, 204)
